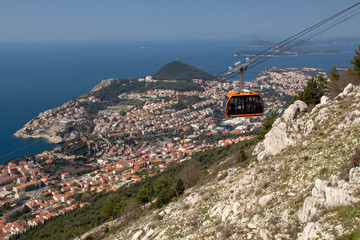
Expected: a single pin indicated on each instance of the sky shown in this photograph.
(93, 20)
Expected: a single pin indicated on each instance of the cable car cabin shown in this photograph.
(243, 104)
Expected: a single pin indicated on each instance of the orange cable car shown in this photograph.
(243, 104)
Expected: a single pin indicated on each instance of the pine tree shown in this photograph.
(179, 187)
(356, 61)
(161, 184)
(144, 195)
(241, 155)
(322, 85)
(112, 207)
(334, 75)
(313, 91)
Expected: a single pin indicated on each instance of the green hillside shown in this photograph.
(177, 70)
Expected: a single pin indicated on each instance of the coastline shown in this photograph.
(21, 99)
(50, 139)
(244, 54)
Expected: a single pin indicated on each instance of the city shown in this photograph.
(126, 143)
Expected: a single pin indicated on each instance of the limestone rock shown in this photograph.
(354, 175)
(149, 234)
(348, 89)
(311, 231)
(252, 226)
(265, 199)
(55, 139)
(294, 110)
(264, 234)
(325, 196)
(279, 137)
(323, 115)
(137, 235)
(324, 100)
(309, 127)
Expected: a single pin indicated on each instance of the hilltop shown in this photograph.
(181, 71)
(303, 182)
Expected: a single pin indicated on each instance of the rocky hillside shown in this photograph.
(302, 184)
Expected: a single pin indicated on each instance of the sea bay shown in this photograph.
(38, 76)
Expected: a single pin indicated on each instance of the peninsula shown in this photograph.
(125, 130)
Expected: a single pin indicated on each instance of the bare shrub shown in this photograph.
(223, 176)
(299, 198)
(241, 155)
(225, 232)
(260, 169)
(264, 184)
(257, 191)
(354, 161)
(190, 174)
(355, 158)
(338, 86)
(292, 229)
(131, 211)
(194, 220)
(319, 214)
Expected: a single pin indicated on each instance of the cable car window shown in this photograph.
(248, 104)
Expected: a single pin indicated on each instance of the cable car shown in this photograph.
(243, 104)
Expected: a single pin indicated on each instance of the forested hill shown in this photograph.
(177, 70)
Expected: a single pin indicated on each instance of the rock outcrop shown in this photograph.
(51, 138)
(295, 189)
(104, 83)
(281, 134)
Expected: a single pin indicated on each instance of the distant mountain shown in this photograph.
(302, 43)
(177, 70)
(259, 43)
(305, 43)
(342, 40)
(289, 52)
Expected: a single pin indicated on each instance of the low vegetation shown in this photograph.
(128, 203)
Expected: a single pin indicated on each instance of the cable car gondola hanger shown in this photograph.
(243, 102)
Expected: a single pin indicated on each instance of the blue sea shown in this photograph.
(38, 76)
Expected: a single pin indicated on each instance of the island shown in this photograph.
(288, 53)
(292, 51)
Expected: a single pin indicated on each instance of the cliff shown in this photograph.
(303, 184)
(104, 83)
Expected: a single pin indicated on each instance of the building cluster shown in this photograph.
(55, 120)
(23, 185)
(127, 143)
(287, 81)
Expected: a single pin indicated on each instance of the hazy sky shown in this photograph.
(46, 20)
